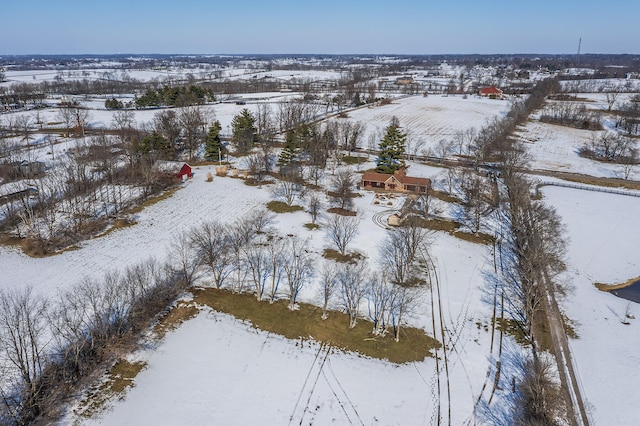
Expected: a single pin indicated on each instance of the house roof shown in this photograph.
(169, 166)
(493, 90)
(375, 177)
(399, 175)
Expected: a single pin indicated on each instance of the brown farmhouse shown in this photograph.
(398, 181)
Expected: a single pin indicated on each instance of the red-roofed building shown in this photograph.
(399, 181)
(491, 92)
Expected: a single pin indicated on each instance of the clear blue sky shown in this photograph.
(328, 26)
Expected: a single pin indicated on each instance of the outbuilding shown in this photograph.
(178, 169)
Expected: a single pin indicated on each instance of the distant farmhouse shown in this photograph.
(397, 182)
(404, 80)
(491, 92)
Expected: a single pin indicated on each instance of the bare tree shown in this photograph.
(65, 114)
(183, 258)
(611, 98)
(276, 262)
(256, 262)
(539, 398)
(330, 283)
(402, 302)
(256, 166)
(193, 121)
(399, 252)
(314, 206)
(288, 190)
(23, 328)
(342, 186)
(341, 230)
(476, 198)
(298, 267)
(211, 242)
(352, 279)
(379, 296)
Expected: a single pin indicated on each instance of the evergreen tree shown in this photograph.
(244, 131)
(290, 150)
(391, 149)
(294, 143)
(213, 146)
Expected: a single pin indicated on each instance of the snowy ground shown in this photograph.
(270, 376)
(603, 236)
(428, 119)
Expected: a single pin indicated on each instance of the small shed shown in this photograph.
(178, 169)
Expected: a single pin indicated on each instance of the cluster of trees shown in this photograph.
(49, 348)
(610, 146)
(102, 176)
(573, 114)
(533, 258)
(628, 117)
(178, 96)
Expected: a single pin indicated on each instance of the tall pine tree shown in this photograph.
(391, 149)
(213, 146)
(244, 129)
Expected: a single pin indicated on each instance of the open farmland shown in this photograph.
(429, 119)
(214, 368)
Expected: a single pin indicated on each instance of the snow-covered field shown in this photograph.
(430, 118)
(275, 372)
(603, 235)
(216, 370)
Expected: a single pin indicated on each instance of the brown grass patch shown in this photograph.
(350, 160)
(305, 323)
(177, 315)
(444, 196)
(118, 224)
(154, 200)
(281, 207)
(118, 379)
(339, 257)
(478, 238)
(610, 287)
(311, 226)
(342, 212)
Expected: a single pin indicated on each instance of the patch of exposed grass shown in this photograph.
(118, 224)
(118, 379)
(281, 207)
(513, 328)
(570, 327)
(339, 257)
(441, 225)
(444, 196)
(154, 200)
(177, 315)
(610, 287)
(342, 212)
(350, 160)
(306, 323)
(478, 238)
(311, 226)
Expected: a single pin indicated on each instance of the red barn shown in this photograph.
(177, 169)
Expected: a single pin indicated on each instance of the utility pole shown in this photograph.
(578, 55)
